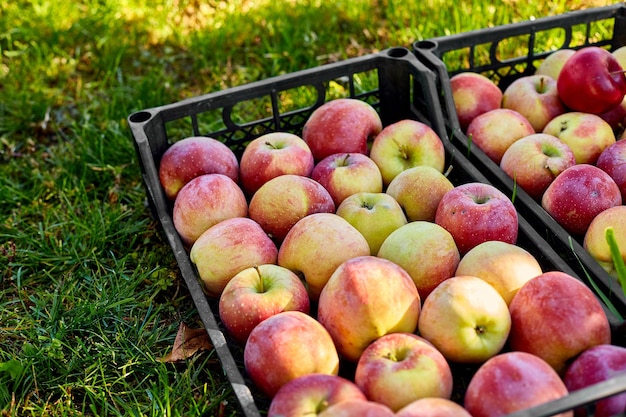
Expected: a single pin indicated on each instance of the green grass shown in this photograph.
(90, 295)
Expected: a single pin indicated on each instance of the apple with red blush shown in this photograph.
(496, 130)
(286, 346)
(510, 382)
(399, 368)
(592, 81)
(552, 64)
(194, 156)
(433, 407)
(578, 195)
(473, 94)
(344, 125)
(271, 155)
(205, 201)
(476, 212)
(282, 201)
(612, 160)
(311, 394)
(353, 408)
(535, 97)
(534, 161)
(595, 240)
(548, 323)
(344, 174)
(598, 364)
(227, 248)
(257, 293)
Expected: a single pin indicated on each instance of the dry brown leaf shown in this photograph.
(188, 342)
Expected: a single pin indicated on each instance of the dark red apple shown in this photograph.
(613, 161)
(592, 81)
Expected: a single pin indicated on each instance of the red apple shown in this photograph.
(613, 161)
(536, 98)
(496, 130)
(556, 317)
(399, 368)
(271, 155)
(194, 156)
(339, 126)
(595, 241)
(512, 381)
(326, 238)
(552, 64)
(284, 200)
(477, 212)
(406, 144)
(418, 190)
(286, 346)
(597, 364)
(586, 134)
(425, 250)
(535, 161)
(503, 265)
(229, 247)
(579, 194)
(473, 94)
(433, 407)
(365, 298)
(354, 408)
(344, 174)
(205, 201)
(466, 319)
(616, 116)
(257, 293)
(591, 81)
(309, 395)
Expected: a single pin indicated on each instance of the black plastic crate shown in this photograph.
(393, 81)
(504, 54)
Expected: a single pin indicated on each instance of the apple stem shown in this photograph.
(616, 255)
(618, 72)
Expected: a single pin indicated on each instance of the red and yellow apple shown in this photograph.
(433, 407)
(595, 241)
(552, 64)
(353, 408)
(612, 160)
(473, 94)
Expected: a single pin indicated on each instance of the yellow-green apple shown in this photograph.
(316, 245)
(257, 293)
(425, 250)
(229, 247)
(473, 94)
(194, 156)
(374, 215)
(466, 319)
(510, 382)
(476, 212)
(433, 407)
(579, 194)
(552, 64)
(503, 265)
(405, 144)
(494, 131)
(399, 368)
(309, 395)
(344, 174)
(591, 81)
(595, 241)
(535, 161)
(418, 190)
(365, 298)
(598, 364)
(284, 200)
(586, 134)
(285, 346)
(341, 125)
(536, 97)
(352, 408)
(556, 317)
(204, 201)
(271, 155)
(613, 161)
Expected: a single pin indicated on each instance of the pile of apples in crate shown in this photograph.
(355, 275)
(559, 133)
